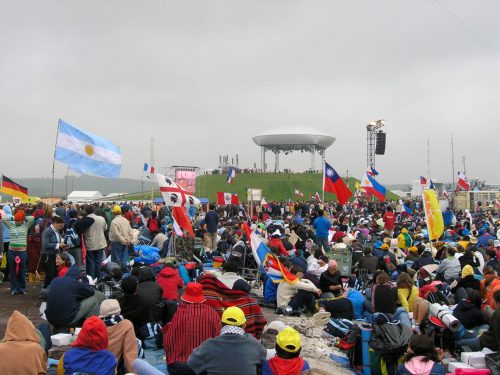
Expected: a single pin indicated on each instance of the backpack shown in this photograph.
(338, 327)
(71, 238)
(151, 336)
(390, 338)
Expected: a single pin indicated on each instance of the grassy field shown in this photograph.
(275, 186)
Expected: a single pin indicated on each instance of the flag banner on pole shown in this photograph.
(231, 174)
(299, 193)
(463, 182)
(317, 197)
(433, 214)
(332, 183)
(423, 180)
(173, 194)
(146, 167)
(11, 188)
(267, 261)
(445, 194)
(372, 172)
(181, 220)
(371, 186)
(264, 203)
(87, 153)
(227, 198)
(431, 185)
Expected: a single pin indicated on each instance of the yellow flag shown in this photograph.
(433, 214)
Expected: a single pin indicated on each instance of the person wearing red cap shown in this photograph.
(193, 323)
(89, 353)
(18, 256)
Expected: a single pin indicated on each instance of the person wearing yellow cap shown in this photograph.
(467, 281)
(233, 352)
(120, 235)
(287, 360)
(404, 239)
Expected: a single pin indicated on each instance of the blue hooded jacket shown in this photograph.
(5, 230)
(64, 297)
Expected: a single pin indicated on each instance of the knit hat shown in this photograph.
(289, 340)
(332, 263)
(377, 244)
(109, 307)
(384, 247)
(233, 316)
(413, 249)
(19, 216)
(467, 271)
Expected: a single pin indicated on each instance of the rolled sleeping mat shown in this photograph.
(444, 313)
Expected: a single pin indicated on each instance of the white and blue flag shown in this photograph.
(87, 153)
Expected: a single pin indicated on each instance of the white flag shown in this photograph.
(173, 194)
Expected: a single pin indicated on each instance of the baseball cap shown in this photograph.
(289, 340)
(233, 316)
(117, 210)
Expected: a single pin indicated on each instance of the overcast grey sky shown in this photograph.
(204, 76)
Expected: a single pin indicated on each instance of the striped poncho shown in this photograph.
(220, 297)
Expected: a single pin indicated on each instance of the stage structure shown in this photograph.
(287, 140)
(184, 176)
(375, 141)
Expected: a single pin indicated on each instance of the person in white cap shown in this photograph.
(122, 341)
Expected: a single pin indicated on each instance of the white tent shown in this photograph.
(84, 196)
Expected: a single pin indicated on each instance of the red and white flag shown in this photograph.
(463, 183)
(317, 197)
(181, 221)
(445, 194)
(173, 194)
(299, 193)
(227, 198)
(264, 203)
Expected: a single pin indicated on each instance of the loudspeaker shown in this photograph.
(380, 149)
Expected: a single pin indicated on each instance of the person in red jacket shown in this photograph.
(63, 264)
(276, 242)
(170, 282)
(389, 219)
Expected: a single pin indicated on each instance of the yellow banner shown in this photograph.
(433, 214)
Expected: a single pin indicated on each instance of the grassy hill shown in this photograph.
(275, 186)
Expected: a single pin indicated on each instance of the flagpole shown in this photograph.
(54, 162)
(152, 166)
(323, 193)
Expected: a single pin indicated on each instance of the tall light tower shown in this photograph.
(372, 146)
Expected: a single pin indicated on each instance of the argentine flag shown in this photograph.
(87, 153)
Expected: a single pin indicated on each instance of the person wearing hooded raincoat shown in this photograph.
(20, 349)
(89, 352)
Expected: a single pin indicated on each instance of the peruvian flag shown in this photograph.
(227, 198)
(463, 183)
(317, 197)
(264, 203)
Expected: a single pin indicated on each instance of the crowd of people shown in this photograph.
(198, 304)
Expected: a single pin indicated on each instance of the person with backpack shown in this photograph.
(422, 358)
(153, 224)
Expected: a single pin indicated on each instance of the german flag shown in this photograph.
(11, 188)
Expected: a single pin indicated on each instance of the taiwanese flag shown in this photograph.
(332, 183)
(11, 188)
